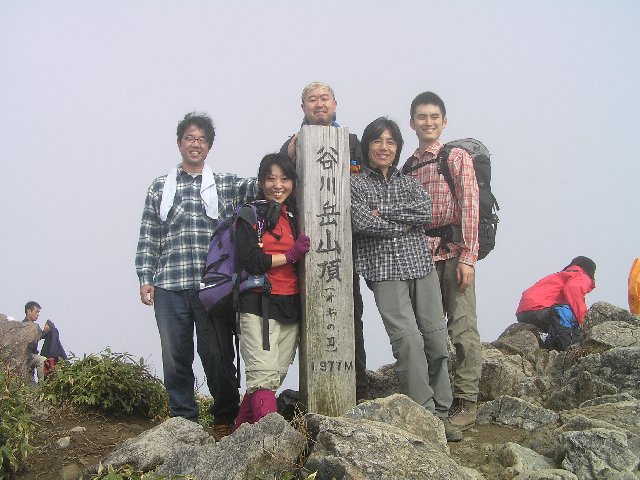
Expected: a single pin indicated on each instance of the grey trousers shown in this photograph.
(411, 311)
(462, 323)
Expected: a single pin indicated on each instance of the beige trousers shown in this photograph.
(266, 369)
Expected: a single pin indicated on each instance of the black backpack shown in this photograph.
(488, 224)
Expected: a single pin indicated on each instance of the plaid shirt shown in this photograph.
(391, 246)
(446, 210)
(172, 254)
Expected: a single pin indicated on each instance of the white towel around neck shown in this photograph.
(208, 193)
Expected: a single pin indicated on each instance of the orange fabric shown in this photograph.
(634, 287)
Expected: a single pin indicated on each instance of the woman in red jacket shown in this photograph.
(269, 245)
(556, 304)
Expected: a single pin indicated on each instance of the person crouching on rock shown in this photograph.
(269, 244)
(556, 304)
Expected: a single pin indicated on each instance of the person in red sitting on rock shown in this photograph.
(556, 304)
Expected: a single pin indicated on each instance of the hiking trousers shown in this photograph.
(411, 311)
(37, 362)
(266, 369)
(541, 319)
(462, 324)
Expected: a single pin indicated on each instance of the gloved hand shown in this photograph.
(300, 247)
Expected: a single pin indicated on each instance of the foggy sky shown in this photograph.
(91, 93)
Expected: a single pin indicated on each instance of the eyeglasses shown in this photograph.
(192, 139)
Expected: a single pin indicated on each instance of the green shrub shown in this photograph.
(204, 402)
(109, 381)
(16, 423)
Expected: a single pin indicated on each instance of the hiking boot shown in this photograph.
(451, 432)
(220, 431)
(463, 413)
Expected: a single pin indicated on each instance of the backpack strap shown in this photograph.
(410, 165)
(265, 321)
(447, 233)
(443, 168)
(250, 214)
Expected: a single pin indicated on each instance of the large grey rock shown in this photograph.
(516, 460)
(515, 412)
(613, 334)
(519, 339)
(150, 448)
(17, 340)
(611, 372)
(601, 312)
(266, 449)
(402, 412)
(507, 375)
(383, 382)
(598, 454)
(619, 366)
(578, 389)
(605, 399)
(622, 417)
(579, 422)
(346, 449)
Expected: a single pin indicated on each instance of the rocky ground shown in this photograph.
(571, 415)
(96, 436)
(102, 434)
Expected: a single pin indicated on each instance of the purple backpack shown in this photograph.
(223, 279)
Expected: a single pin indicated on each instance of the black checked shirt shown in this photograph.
(172, 254)
(391, 246)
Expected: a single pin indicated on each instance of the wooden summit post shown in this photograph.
(327, 359)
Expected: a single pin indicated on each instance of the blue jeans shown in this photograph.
(176, 313)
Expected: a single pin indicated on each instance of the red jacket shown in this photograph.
(566, 287)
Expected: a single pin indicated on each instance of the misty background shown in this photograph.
(91, 94)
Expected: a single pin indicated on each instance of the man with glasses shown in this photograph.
(180, 213)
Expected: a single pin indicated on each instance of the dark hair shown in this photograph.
(373, 132)
(588, 265)
(288, 168)
(200, 120)
(428, 98)
(31, 305)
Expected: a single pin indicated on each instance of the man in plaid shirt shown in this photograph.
(455, 260)
(180, 213)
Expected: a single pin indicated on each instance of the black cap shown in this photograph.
(588, 265)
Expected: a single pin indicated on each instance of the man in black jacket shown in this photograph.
(319, 107)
